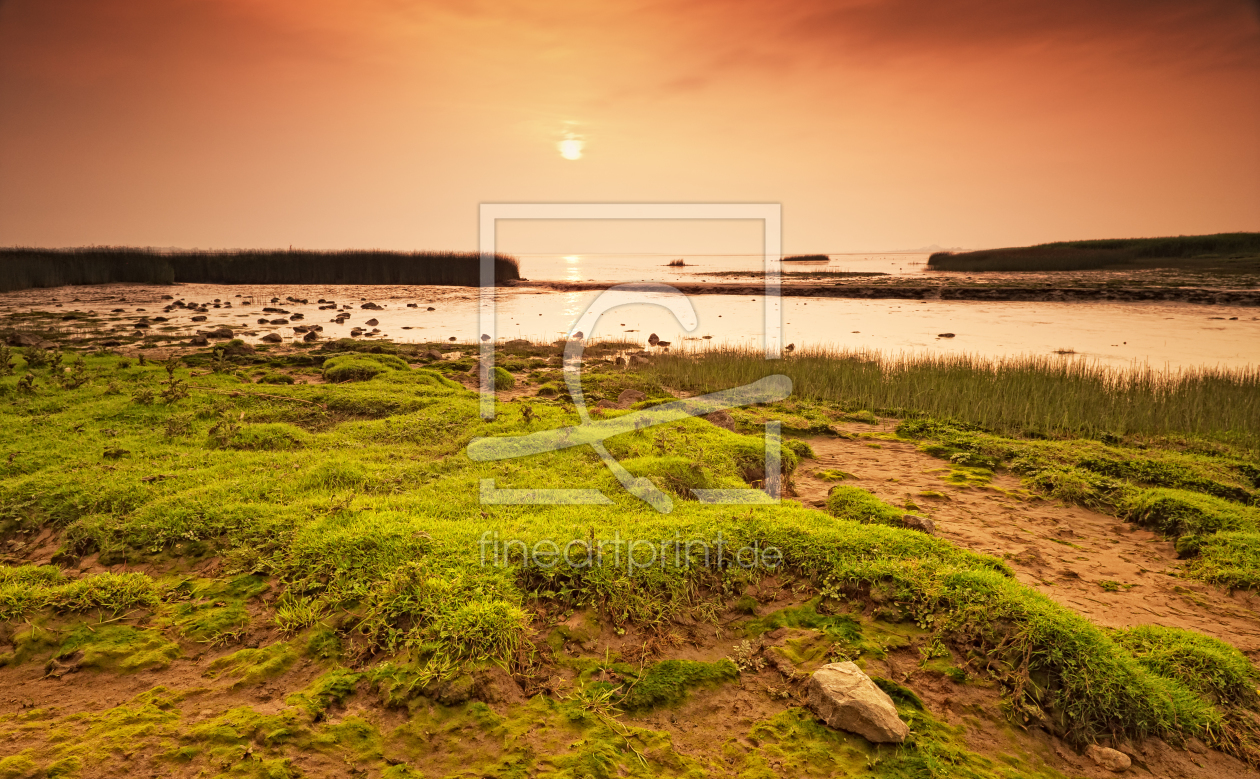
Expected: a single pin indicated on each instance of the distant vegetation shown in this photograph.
(1221, 251)
(1053, 396)
(23, 268)
(807, 258)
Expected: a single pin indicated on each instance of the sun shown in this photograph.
(571, 148)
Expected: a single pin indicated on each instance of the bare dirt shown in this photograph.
(1071, 554)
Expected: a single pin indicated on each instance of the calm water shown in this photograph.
(655, 267)
(1161, 334)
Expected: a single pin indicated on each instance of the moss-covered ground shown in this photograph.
(175, 531)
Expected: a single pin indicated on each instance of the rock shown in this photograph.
(629, 397)
(1111, 759)
(22, 339)
(654, 339)
(198, 340)
(141, 325)
(921, 524)
(371, 323)
(276, 322)
(311, 335)
(432, 354)
(272, 338)
(944, 335)
(220, 332)
(846, 699)
(413, 305)
(199, 318)
(637, 359)
(297, 316)
(430, 308)
(370, 306)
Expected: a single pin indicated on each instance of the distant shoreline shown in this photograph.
(1233, 297)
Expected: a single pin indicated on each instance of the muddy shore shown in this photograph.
(1235, 297)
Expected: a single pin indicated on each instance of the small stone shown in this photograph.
(371, 323)
(199, 318)
(944, 335)
(198, 340)
(220, 332)
(921, 524)
(311, 335)
(1110, 759)
(272, 338)
(629, 397)
(846, 699)
(432, 354)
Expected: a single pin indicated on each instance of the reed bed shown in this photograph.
(24, 268)
(1181, 251)
(1041, 395)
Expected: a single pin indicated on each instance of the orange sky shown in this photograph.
(383, 123)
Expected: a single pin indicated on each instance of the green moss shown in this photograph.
(859, 505)
(118, 647)
(668, 681)
(327, 690)
(275, 377)
(1206, 665)
(270, 437)
(1179, 512)
(502, 379)
(830, 474)
(361, 367)
(250, 666)
(1227, 559)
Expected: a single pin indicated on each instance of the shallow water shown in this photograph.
(1159, 334)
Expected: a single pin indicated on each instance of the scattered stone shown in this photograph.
(944, 335)
(432, 354)
(371, 323)
(1110, 759)
(141, 325)
(272, 338)
(921, 524)
(430, 308)
(311, 335)
(654, 339)
(846, 699)
(297, 316)
(629, 397)
(198, 340)
(370, 306)
(220, 332)
(199, 318)
(277, 322)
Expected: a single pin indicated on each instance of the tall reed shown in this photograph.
(23, 268)
(1048, 395)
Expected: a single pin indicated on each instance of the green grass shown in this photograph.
(1046, 396)
(372, 530)
(1186, 251)
(857, 504)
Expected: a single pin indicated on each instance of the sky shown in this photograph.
(877, 124)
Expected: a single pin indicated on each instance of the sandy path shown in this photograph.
(1063, 551)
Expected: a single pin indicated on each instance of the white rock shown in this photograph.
(846, 699)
